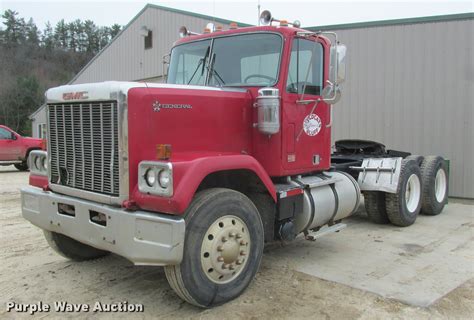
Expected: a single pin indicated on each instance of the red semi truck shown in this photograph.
(233, 152)
(14, 149)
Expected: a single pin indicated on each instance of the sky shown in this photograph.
(309, 12)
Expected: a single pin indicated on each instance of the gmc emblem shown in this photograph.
(80, 95)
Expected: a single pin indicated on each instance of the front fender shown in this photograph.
(187, 176)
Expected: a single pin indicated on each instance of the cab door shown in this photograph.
(8, 146)
(306, 136)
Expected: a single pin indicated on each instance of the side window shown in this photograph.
(306, 67)
(5, 134)
(149, 40)
(42, 130)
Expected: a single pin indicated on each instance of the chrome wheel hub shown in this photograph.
(440, 185)
(225, 248)
(413, 193)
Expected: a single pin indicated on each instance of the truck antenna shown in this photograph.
(258, 8)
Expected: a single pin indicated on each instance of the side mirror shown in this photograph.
(337, 74)
(13, 136)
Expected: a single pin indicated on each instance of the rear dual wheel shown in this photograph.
(435, 182)
(400, 208)
(374, 202)
(404, 206)
(222, 251)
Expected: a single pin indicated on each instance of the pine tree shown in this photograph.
(47, 40)
(114, 30)
(32, 33)
(92, 33)
(61, 34)
(15, 27)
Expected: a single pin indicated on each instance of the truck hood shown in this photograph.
(108, 90)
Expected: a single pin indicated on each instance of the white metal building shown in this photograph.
(410, 81)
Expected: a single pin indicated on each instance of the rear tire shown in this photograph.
(222, 250)
(72, 249)
(374, 202)
(435, 179)
(418, 159)
(404, 206)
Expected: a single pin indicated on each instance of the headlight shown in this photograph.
(150, 177)
(44, 164)
(155, 177)
(164, 178)
(38, 162)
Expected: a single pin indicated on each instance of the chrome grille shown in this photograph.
(83, 146)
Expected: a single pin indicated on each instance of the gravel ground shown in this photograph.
(30, 272)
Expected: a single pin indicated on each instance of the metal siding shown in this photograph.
(411, 87)
(126, 57)
(37, 118)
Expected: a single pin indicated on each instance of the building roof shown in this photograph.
(31, 116)
(393, 22)
(192, 14)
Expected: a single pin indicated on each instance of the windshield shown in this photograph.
(241, 60)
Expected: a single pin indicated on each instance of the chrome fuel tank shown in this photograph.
(328, 197)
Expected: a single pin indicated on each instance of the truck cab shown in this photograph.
(198, 173)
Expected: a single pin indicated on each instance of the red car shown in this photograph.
(14, 149)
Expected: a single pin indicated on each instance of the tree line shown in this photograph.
(33, 60)
(75, 36)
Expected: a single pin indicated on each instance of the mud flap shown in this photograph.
(379, 174)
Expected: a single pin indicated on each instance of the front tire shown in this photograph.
(222, 251)
(434, 173)
(22, 166)
(404, 206)
(72, 249)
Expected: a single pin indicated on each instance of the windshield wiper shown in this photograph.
(214, 72)
(202, 62)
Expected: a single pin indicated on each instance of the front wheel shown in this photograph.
(22, 166)
(72, 249)
(222, 251)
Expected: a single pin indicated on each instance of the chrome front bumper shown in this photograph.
(142, 237)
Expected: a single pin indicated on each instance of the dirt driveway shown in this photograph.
(30, 272)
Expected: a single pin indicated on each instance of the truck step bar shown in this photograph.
(312, 236)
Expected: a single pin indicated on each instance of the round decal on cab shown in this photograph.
(312, 125)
